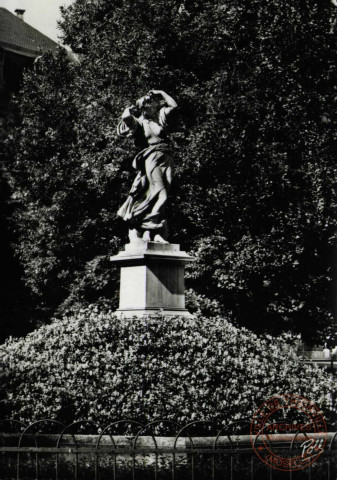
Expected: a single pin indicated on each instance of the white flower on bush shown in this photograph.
(100, 367)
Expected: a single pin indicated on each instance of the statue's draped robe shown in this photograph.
(154, 172)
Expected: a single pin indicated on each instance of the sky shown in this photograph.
(40, 14)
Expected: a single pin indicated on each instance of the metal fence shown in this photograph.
(161, 449)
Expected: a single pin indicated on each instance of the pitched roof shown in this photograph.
(18, 37)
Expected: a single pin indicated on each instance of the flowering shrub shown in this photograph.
(95, 366)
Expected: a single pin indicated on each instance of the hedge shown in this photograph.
(95, 366)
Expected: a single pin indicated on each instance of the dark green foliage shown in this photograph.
(15, 301)
(65, 221)
(255, 144)
(93, 366)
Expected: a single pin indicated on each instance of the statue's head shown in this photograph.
(150, 104)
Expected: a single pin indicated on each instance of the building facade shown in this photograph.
(20, 44)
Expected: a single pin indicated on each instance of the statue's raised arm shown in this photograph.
(128, 125)
(170, 103)
(144, 209)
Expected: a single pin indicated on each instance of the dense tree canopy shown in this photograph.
(255, 144)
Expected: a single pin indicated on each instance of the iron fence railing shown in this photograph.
(161, 449)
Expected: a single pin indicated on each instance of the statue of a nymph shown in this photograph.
(144, 209)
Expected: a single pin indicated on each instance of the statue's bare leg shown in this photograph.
(158, 207)
(159, 188)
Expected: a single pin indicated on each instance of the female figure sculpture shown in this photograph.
(144, 209)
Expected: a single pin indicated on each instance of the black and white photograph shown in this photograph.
(168, 212)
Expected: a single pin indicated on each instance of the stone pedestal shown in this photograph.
(152, 279)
